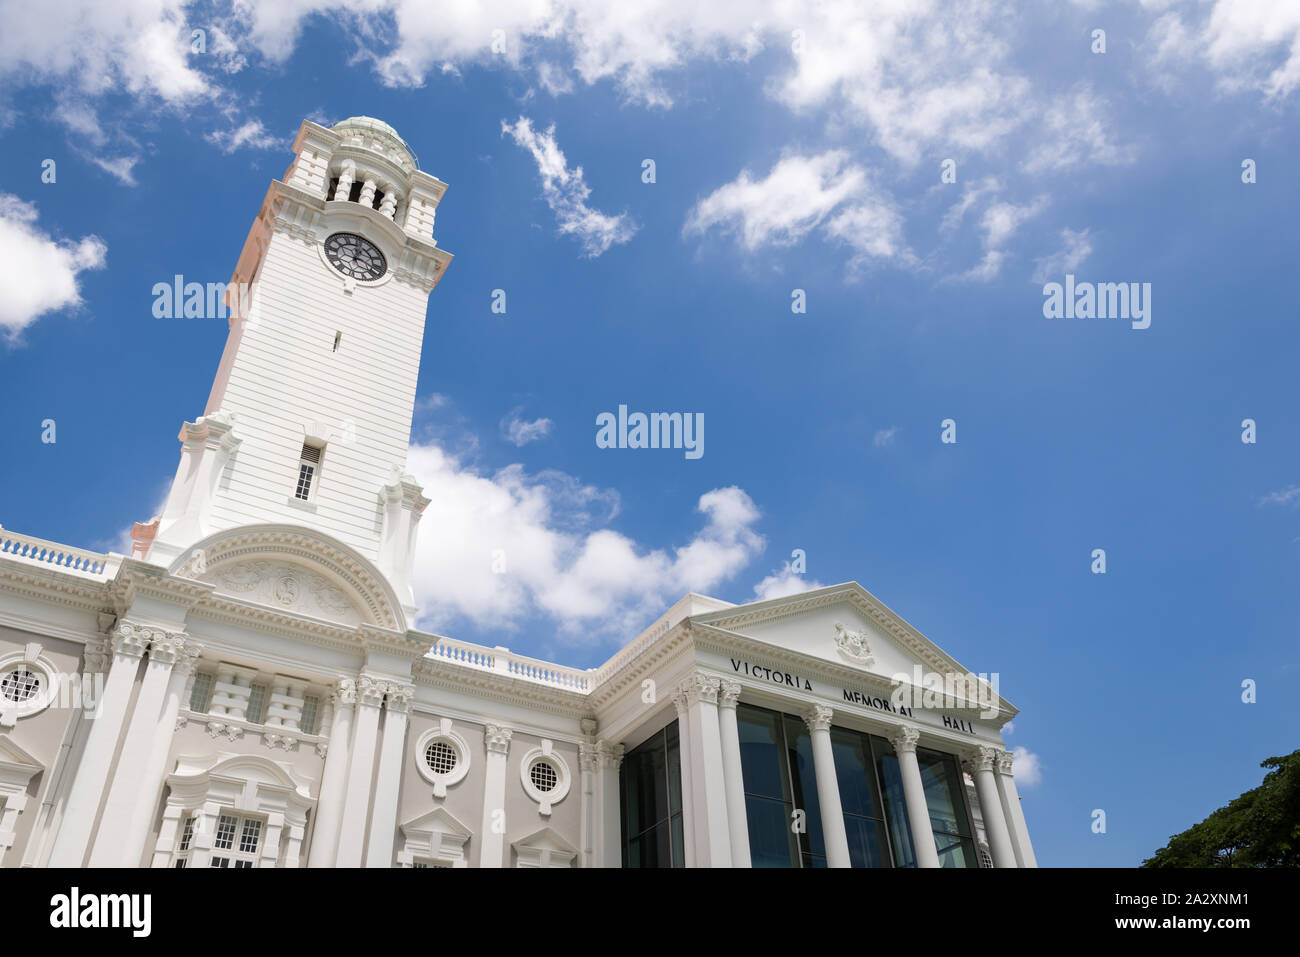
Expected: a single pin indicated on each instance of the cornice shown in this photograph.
(653, 653)
(504, 688)
(50, 585)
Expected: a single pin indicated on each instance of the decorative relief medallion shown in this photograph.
(287, 586)
(853, 645)
(286, 590)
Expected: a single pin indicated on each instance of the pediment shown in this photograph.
(296, 571)
(15, 760)
(843, 624)
(440, 821)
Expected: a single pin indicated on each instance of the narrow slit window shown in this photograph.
(338, 337)
(256, 712)
(308, 466)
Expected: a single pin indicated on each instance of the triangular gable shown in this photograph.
(844, 624)
(17, 765)
(440, 820)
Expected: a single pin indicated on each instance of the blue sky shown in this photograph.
(775, 170)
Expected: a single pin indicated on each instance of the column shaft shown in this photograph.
(980, 767)
(383, 826)
(713, 833)
(1015, 813)
(918, 813)
(78, 820)
(834, 834)
(492, 843)
(334, 779)
(155, 768)
(732, 774)
(356, 804)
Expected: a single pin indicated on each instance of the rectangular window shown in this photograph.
(651, 795)
(308, 466)
(236, 843)
(945, 796)
(202, 692)
(769, 792)
(256, 712)
(310, 714)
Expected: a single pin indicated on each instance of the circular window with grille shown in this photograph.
(442, 757)
(20, 685)
(28, 683)
(545, 776)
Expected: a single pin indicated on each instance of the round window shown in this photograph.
(20, 685)
(440, 757)
(544, 777)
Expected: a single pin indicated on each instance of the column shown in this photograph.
(609, 758)
(109, 849)
(979, 765)
(154, 773)
(818, 719)
(129, 643)
(1014, 813)
(367, 197)
(711, 829)
(383, 823)
(732, 776)
(688, 792)
(356, 802)
(587, 766)
(493, 837)
(333, 785)
(918, 813)
(168, 835)
(205, 834)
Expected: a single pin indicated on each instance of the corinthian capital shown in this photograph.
(728, 694)
(399, 697)
(609, 754)
(167, 647)
(979, 759)
(904, 739)
(1005, 761)
(818, 718)
(131, 640)
(345, 692)
(497, 738)
(370, 692)
(701, 687)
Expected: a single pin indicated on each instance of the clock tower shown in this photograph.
(309, 417)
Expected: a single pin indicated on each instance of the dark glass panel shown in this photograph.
(891, 787)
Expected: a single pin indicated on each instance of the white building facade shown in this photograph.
(248, 688)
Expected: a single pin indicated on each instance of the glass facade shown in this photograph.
(945, 796)
(777, 766)
(651, 799)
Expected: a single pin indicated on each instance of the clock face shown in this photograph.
(355, 257)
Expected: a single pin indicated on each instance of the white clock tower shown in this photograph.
(309, 418)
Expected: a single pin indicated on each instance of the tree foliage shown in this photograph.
(1259, 829)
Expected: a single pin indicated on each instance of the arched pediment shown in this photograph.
(295, 570)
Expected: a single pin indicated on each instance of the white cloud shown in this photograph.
(783, 582)
(1076, 248)
(1026, 767)
(801, 194)
(1287, 496)
(521, 432)
(250, 134)
(1076, 130)
(139, 47)
(884, 437)
(1000, 222)
(558, 560)
(49, 267)
(1247, 45)
(566, 192)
